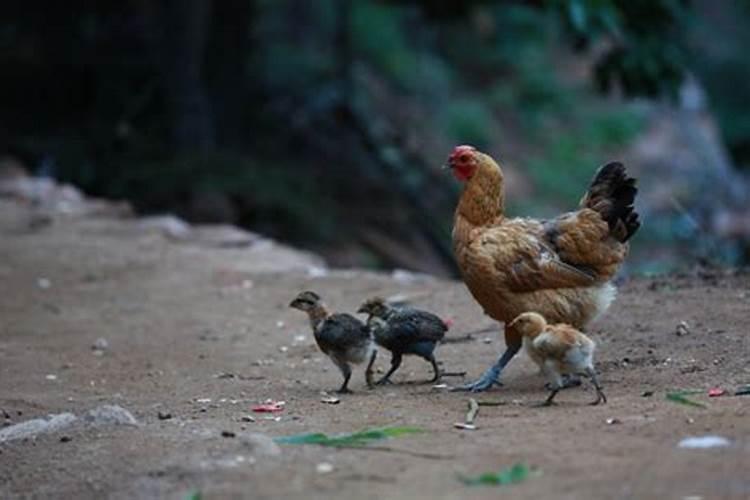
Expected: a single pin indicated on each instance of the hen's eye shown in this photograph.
(464, 158)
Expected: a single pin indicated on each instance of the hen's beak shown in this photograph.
(446, 166)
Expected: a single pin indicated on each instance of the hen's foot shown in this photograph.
(482, 384)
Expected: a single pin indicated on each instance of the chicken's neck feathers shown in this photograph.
(318, 314)
(482, 202)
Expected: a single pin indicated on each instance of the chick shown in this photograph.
(404, 331)
(559, 350)
(342, 337)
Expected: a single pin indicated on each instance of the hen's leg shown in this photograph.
(395, 363)
(490, 377)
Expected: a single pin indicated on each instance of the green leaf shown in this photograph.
(514, 474)
(194, 495)
(360, 438)
(681, 398)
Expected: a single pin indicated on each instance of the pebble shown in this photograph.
(682, 329)
(704, 442)
(164, 415)
(100, 344)
(324, 468)
(110, 415)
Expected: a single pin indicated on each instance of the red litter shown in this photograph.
(269, 407)
(716, 392)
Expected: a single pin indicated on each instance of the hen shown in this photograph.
(561, 268)
(342, 337)
(404, 331)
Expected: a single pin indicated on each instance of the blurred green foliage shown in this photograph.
(542, 79)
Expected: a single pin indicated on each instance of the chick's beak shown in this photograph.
(293, 303)
(361, 310)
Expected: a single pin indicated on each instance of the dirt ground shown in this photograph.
(202, 331)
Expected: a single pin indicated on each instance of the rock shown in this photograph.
(224, 236)
(100, 344)
(32, 428)
(702, 442)
(324, 468)
(261, 445)
(164, 415)
(109, 415)
(168, 225)
(682, 329)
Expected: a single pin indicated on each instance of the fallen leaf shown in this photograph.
(347, 440)
(514, 474)
(681, 398)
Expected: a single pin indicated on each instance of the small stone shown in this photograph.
(647, 394)
(51, 376)
(164, 415)
(228, 434)
(324, 468)
(682, 329)
(247, 418)
(613, 421)
(100, 344)
(43, 283)
(65, 439)
(110, 415)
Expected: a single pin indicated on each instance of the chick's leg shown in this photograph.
(435, 368)
(490, 377)
(568, 381)
(555, 383)
(395, 363)
(368, 371)
(600, 397)
(346, 371)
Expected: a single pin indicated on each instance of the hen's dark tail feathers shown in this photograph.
(612, 194)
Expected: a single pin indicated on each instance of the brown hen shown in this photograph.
(561, 268)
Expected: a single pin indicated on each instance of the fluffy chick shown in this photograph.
(559, 350)
(342, 337)
(404, 331)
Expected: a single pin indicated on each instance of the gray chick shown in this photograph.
(342, 337)
(404, 331)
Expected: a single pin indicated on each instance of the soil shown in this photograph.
(197, 334)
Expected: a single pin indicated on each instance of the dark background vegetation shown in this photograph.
(323, 123)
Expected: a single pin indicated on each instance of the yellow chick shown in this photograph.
(559, 350)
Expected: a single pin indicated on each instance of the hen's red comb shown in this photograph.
(458, 150)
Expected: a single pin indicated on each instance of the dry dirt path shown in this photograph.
(202, 332)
